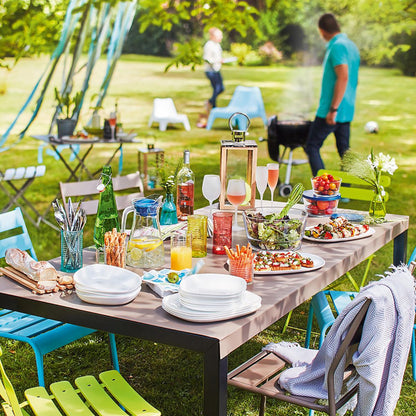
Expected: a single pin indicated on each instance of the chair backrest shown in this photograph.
(13, 221)
(247, 97)
(89, 195)
(356, 188)
(164, 107)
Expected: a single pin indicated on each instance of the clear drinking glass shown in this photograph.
(272, 176)
(211, 189)
(261, 181)
(236, 194)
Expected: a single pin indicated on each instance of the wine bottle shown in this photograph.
(185, 189)
(107, 215)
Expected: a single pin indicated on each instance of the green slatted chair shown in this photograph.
(111, 396)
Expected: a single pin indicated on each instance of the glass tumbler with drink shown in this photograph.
(222, 236)
(113, 121)
(236, 194)
(181, 252)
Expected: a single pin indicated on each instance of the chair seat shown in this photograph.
(107, 398)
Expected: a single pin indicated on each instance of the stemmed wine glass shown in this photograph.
(211, 189)
(236, 194)
(261, 181)
(112, 121)
(272, 176)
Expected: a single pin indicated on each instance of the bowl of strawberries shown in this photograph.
(326, 185)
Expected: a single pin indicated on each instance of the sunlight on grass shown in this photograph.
(383, 96)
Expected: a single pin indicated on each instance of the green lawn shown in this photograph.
(168, 377)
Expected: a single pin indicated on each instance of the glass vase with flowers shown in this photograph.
(370, 170)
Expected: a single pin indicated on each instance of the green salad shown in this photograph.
(273, 233)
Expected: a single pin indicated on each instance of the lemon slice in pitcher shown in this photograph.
(146, 244)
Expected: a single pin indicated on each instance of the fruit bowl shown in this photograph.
(320, 205)
(266, 231)
(326, 184)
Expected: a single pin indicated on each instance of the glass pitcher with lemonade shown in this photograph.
(145, 246)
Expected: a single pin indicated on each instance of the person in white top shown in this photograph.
(213, 61)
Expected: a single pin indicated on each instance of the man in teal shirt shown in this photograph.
(338, 91)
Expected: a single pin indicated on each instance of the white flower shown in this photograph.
(383, 163)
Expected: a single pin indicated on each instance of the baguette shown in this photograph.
(35, 270)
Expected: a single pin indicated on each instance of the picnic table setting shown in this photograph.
(217, 275)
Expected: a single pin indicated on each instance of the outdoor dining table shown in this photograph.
(145, 318)
(76, 172)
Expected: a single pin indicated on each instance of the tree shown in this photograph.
(192, 17)
(28, 27)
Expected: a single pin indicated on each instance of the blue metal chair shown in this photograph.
(43, 335)
(247, 100)
(320, 308)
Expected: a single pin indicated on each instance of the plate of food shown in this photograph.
(336, 230)
(287, 262)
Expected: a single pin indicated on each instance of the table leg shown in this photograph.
(215, 383)
(400, 249)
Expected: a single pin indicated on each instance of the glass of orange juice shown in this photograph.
(181, 252)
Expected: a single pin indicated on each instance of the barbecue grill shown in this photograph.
(290, 134)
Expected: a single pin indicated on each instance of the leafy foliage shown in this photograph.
(189, 53)
(67, 103)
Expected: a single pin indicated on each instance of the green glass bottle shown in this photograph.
(107, 215)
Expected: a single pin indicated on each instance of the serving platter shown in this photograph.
(318, 262)
(368, 233)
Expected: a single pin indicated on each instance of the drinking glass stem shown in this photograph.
(112, 132)
(235, 218)
(210, 209)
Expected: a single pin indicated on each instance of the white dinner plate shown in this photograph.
(368, 233)
(108, 300)
(107, 279)
(209, 306)
(211, 284)
(171, 304)
(318, 262)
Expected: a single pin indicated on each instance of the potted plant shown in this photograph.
(67, 104)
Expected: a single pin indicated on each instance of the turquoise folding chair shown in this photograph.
(112, 395)
(247, 100)
(43, 335)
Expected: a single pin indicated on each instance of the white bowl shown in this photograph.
(103, 278)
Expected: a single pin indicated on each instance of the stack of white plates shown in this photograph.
(106, 285)
(210, 298)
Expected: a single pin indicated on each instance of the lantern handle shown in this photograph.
(235, 114)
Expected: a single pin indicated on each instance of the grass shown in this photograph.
(171, 378)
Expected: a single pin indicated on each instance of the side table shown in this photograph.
(159, 155)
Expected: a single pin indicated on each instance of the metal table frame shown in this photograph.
(215, 341)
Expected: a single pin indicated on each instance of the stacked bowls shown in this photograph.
(106, 285)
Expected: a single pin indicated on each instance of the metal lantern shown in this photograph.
(238, 160)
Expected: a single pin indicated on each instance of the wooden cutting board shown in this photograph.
(21, 278)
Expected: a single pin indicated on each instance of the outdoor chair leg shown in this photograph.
(113, 351)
